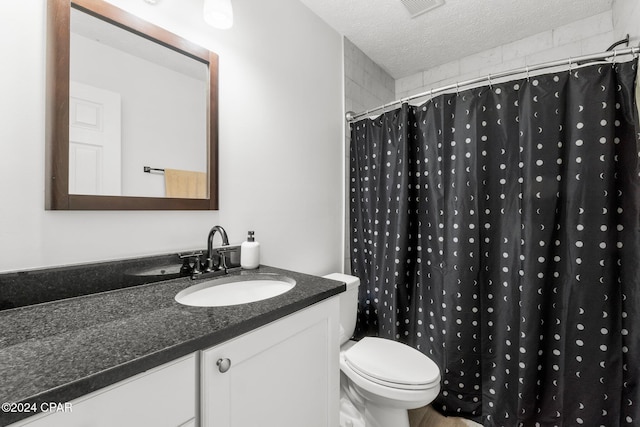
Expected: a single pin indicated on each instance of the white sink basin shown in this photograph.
(235, 290)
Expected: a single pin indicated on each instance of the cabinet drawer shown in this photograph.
(163, 396)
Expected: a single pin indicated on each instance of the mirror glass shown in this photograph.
(133, 104)
(131, 113)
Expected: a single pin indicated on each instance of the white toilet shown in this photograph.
(380, 379)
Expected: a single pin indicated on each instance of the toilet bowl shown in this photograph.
(380, 379)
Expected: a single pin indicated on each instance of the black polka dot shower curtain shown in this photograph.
(497, 230)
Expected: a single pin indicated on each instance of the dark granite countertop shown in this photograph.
(60, 350)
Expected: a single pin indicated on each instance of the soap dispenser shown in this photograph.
(250, 253)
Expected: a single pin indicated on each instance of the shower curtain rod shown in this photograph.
(579, 61)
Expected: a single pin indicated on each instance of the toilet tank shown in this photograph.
(348, 304)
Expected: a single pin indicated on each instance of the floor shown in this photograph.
(429, 417)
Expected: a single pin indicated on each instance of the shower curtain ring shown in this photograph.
(527, 70)
(570, 63)
(615, 53)
(490, 85)
(457, 89)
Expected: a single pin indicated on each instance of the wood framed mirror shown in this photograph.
(194, 130)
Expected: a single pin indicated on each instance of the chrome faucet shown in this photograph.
(210, 255)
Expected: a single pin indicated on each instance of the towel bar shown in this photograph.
(148, 169)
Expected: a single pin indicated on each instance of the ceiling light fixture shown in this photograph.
(218, 13)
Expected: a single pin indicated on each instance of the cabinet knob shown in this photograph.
(223, 365)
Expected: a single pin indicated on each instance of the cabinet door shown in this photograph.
(285, 374)
(164, 396)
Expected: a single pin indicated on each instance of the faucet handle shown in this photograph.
(197, 267)
(190, 255)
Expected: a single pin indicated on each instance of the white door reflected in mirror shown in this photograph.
(94, 141)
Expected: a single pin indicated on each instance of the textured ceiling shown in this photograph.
(384, 30)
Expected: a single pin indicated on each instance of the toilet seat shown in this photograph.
(392, 364)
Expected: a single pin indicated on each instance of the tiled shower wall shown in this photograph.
(591, 35)
(367, 85)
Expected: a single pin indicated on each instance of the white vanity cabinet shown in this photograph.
(163, 396)
(284, 374)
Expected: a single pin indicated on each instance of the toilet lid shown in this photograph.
(392, 363)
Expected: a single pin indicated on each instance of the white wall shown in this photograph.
(590, 35)
(626, 20)
(281, 143)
